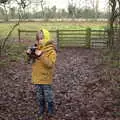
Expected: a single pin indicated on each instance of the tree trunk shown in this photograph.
(6, 14)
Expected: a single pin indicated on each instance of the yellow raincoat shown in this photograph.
(43, 68)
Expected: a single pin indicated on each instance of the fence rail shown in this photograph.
(75, 38)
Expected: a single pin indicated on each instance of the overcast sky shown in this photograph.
(64, 3)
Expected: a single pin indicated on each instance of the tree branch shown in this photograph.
(9, 34)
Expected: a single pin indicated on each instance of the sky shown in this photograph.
(103, 6)
(64, 3)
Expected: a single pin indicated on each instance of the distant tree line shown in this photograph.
(8, 11)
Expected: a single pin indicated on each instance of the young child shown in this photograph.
(42, 71)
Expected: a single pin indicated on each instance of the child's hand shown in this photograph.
(28, 51)
(38, 52)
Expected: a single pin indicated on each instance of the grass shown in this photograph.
(16, 51)
(5, 27)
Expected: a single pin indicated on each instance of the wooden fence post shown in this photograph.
(88, 37)
(57, 31)
(19, 34)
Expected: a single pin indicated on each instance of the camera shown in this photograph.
(32, 49)
(32, 56)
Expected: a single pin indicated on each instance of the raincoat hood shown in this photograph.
(47, 38)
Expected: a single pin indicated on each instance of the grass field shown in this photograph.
(5, 27)
(15, 50)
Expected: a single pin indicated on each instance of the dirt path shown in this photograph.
(82, 91)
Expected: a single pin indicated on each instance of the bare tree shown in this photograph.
(3, 1)
(42, 3)
(4, 5)
(95, 4)
(72, 8)
(3, 41)
(115, 11)
(114, 14)
(22, 6)
(96, 8)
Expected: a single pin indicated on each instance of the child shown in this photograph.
(42, 71)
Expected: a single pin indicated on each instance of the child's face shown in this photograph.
(39, 37)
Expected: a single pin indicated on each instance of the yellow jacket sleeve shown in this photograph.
(50, 60)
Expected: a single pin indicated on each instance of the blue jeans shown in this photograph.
(45, 96)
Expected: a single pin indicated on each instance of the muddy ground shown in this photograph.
(83, 89)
